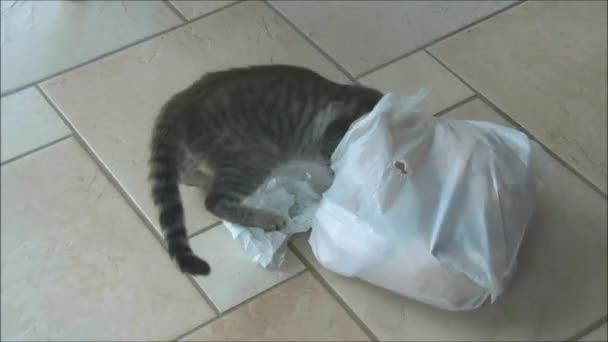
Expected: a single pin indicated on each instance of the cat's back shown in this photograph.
(277, 108)
(235, 81)
(266, 100)
(257, 85)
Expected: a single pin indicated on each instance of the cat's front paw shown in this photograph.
(272, 222)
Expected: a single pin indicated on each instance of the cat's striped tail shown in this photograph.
(164, 177)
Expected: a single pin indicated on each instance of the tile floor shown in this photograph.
(82, 81)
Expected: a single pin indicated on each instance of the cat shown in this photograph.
(230, 129)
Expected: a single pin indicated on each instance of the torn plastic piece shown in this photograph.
(292, 191)
(402, 166)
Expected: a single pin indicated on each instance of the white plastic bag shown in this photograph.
(431, 208)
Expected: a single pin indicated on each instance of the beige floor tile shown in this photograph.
(234, 276)
(417, 71)
(544, 63)
(78, 263)
(600, 334)
(28, 122)
(559, 288)
(194, 8)
(40, 38)
(361, 35)
(114, 101)
(299, 310)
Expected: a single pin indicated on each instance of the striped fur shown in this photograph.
(229, 130)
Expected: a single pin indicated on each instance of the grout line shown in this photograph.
(333, 293)
(589, 329)
(327, 56)
(195, 328)
(456, 105)
(202, 292)
(204, 15)
(39, 148)
(204, 229)
(454, 73)
(241, 304)
(175, 10)
(445, 36)
(117, 50)
(104, 168)
(523, 129)
(116, 184)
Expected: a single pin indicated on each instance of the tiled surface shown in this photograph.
(28, 122)
(417, 71)
(597, 335)
(566, 242)
(194, 8)
(114, 101)
(298, 310)
(40, 38)
(550, 77)
(78, 262)
(361, 35)
(234, 277)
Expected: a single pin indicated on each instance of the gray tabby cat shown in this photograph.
(230, 129)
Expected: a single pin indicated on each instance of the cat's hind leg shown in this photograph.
(196, 178)
(224, 201)
(243, 215)
(194, 172)
(237, 213)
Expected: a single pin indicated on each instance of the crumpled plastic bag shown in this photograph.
(294, 191)
(431, 208)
